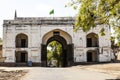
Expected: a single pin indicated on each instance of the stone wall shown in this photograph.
(40, 29)
(0, 50)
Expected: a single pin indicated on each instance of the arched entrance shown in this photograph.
(54, 54)
(21, 57)
(67, 49)
(92, 56)
(63, 55)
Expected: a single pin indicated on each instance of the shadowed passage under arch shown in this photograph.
(55, 54)
(66, 54)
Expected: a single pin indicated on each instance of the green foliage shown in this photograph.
(55, 52)
(112, 39)
(92, 12)
(1, 41)
(74, 4)
(102, 32)
(49, 55)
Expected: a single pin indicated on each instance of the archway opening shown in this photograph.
(63, 52)
(21, 41)
(92, 56)
(92, 40)
(65, 40)
(54, 54)
(63, 56)
(21, 57)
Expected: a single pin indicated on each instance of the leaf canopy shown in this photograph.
(92, 12)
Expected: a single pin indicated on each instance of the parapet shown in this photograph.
(41, 21)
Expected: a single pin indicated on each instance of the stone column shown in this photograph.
(70, 56)
(43, 55)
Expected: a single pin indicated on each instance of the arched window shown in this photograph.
(92, 40)
(21, 41)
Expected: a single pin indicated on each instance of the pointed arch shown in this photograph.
(92, 40)
(59, 32)
(67, 47)
(21, 40)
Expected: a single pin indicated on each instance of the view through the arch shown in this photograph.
(54, 52)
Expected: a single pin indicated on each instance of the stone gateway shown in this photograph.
(25, 39)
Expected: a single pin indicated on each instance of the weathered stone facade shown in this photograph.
(0, 50)
(30, 35)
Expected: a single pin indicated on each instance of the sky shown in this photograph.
(33, 8)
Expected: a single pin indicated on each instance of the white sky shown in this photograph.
(33, 8)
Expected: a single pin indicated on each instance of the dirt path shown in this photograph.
(81, 72)
(11, 75)
(65, 74)
(110, 68)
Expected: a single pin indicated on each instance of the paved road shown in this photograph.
(38, 73)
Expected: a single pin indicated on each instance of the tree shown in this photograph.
(115, 49)
(55, 52)
(92, 12)
(1, 41)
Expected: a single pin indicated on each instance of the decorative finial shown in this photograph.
(15, 16)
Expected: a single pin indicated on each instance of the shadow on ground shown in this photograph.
(118, 78)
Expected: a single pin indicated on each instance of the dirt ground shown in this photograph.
(11, 75)
(109, 68)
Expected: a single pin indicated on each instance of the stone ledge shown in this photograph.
(7, 64)
(41, 21)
